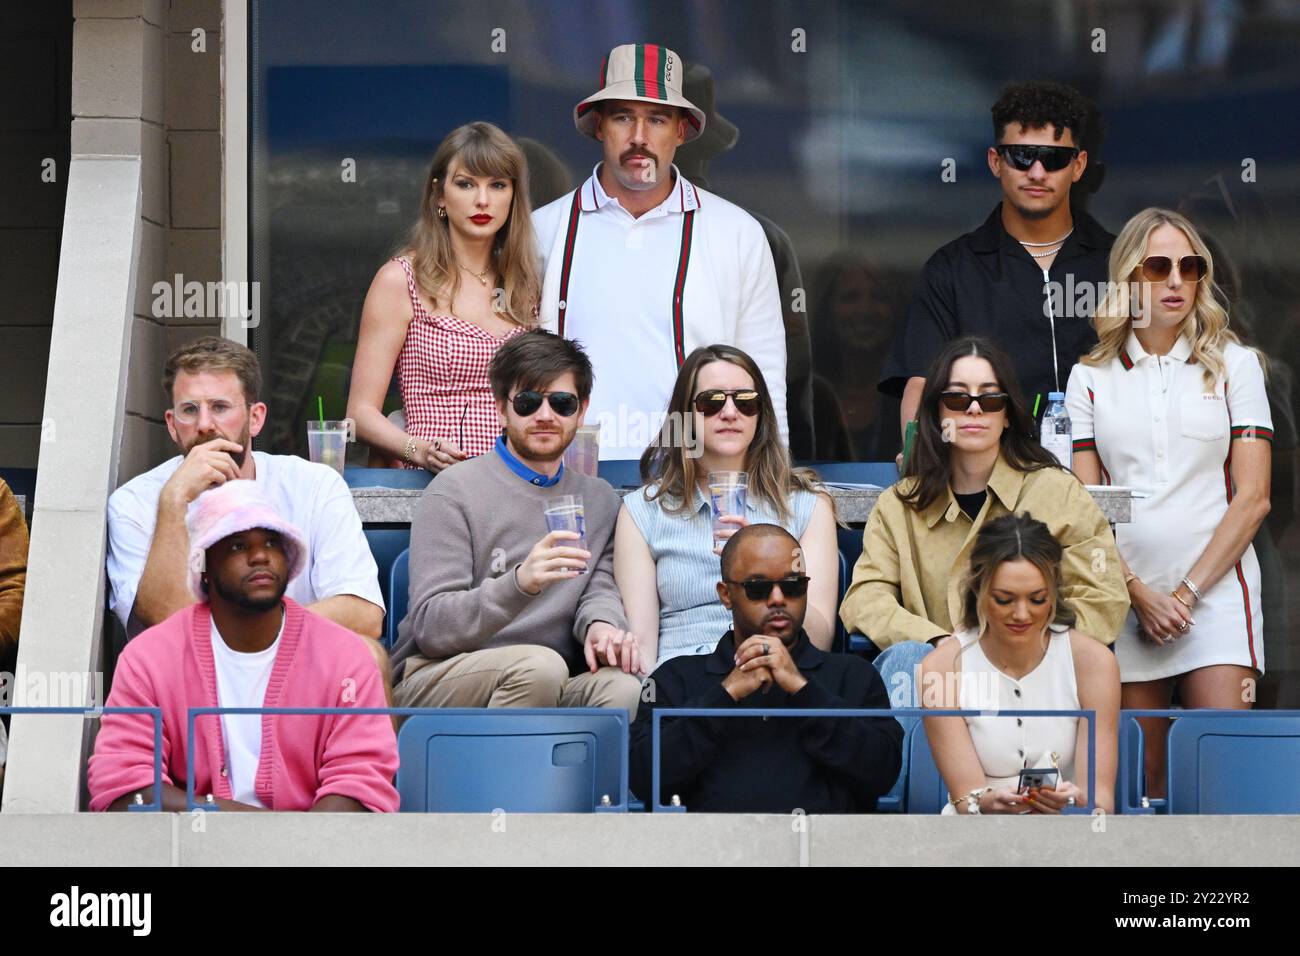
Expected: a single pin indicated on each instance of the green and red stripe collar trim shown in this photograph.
(685, 197)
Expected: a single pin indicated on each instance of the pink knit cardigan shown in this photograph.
(304, 758)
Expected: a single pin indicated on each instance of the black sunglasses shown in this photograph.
(960, 401)
(564, 404)
(759, 589)
(1023, 156)
(1190, 268)
(710, 402)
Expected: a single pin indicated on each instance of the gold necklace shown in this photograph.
(481, 276)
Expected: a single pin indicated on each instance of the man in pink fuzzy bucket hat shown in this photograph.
(247, 645)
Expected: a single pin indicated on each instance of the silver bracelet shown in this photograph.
(1196, 592)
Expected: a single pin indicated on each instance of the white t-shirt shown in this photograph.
(241, 682)
(311, 497)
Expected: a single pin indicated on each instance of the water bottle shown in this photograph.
(1055, 432)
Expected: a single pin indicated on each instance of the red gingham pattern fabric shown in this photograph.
(442, 368)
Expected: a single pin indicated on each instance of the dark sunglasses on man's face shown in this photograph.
(1023, 156)
(564, 404)
(960, 401)
(1190, 268)
(758, 589)
(709, 403)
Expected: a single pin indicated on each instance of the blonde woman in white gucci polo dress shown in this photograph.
(1174, 406)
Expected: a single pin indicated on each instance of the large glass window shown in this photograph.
(844, 112)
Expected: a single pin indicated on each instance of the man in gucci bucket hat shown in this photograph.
(643, 266)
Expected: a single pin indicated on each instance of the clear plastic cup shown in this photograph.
(583, 453)
(327, 442)
(565, 513)
(728, 494)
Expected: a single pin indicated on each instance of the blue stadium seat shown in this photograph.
(925, 789)
(386, 543)
(562, 760)
(409, 478)
(624, 473)
(399, 596)
(1235, 764)
(840, 642)
(850, 545)
(896, 800)
(882, 473)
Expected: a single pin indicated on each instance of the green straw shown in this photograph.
(320, 410)
(1037, 398)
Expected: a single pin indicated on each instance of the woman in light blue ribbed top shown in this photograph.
(665, 562)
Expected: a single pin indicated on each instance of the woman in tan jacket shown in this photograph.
(976, 457)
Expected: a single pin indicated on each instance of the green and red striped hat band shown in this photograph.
(640, 71)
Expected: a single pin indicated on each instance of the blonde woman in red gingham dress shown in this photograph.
(466, 281)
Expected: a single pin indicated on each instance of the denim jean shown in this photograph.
(899, 667)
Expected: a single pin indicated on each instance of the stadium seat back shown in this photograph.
(411, 479)
(882, 473)
(386, 544)
(925, 790)
(896, 800)
(398, 597)
(522, 761)
(621, 474)
(1234, 764)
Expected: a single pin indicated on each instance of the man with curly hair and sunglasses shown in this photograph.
(1011, 280)
(767, 765)
(505, 612)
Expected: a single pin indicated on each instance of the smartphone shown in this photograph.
(1040, 778)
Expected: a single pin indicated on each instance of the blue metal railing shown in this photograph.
(91, 713)
(659, 713)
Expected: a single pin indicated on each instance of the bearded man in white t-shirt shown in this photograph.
(214, 385)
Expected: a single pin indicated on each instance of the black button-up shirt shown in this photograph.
(985, 283)
(742, 764)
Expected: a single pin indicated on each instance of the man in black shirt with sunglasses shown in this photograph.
(995, 281)
(768, 765)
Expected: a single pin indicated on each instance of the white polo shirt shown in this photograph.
(620, 299)
(1156, 428)
(311, 497)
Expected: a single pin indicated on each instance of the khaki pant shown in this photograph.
(524, 675)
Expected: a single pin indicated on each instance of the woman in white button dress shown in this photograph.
(1173, 405)
(1017, 651)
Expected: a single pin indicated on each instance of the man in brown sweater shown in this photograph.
(502, 612)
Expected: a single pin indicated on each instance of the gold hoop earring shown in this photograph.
(442, 212)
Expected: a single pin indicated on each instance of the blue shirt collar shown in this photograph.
(523, 471)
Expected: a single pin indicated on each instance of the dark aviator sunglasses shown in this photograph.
(1190, 268)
